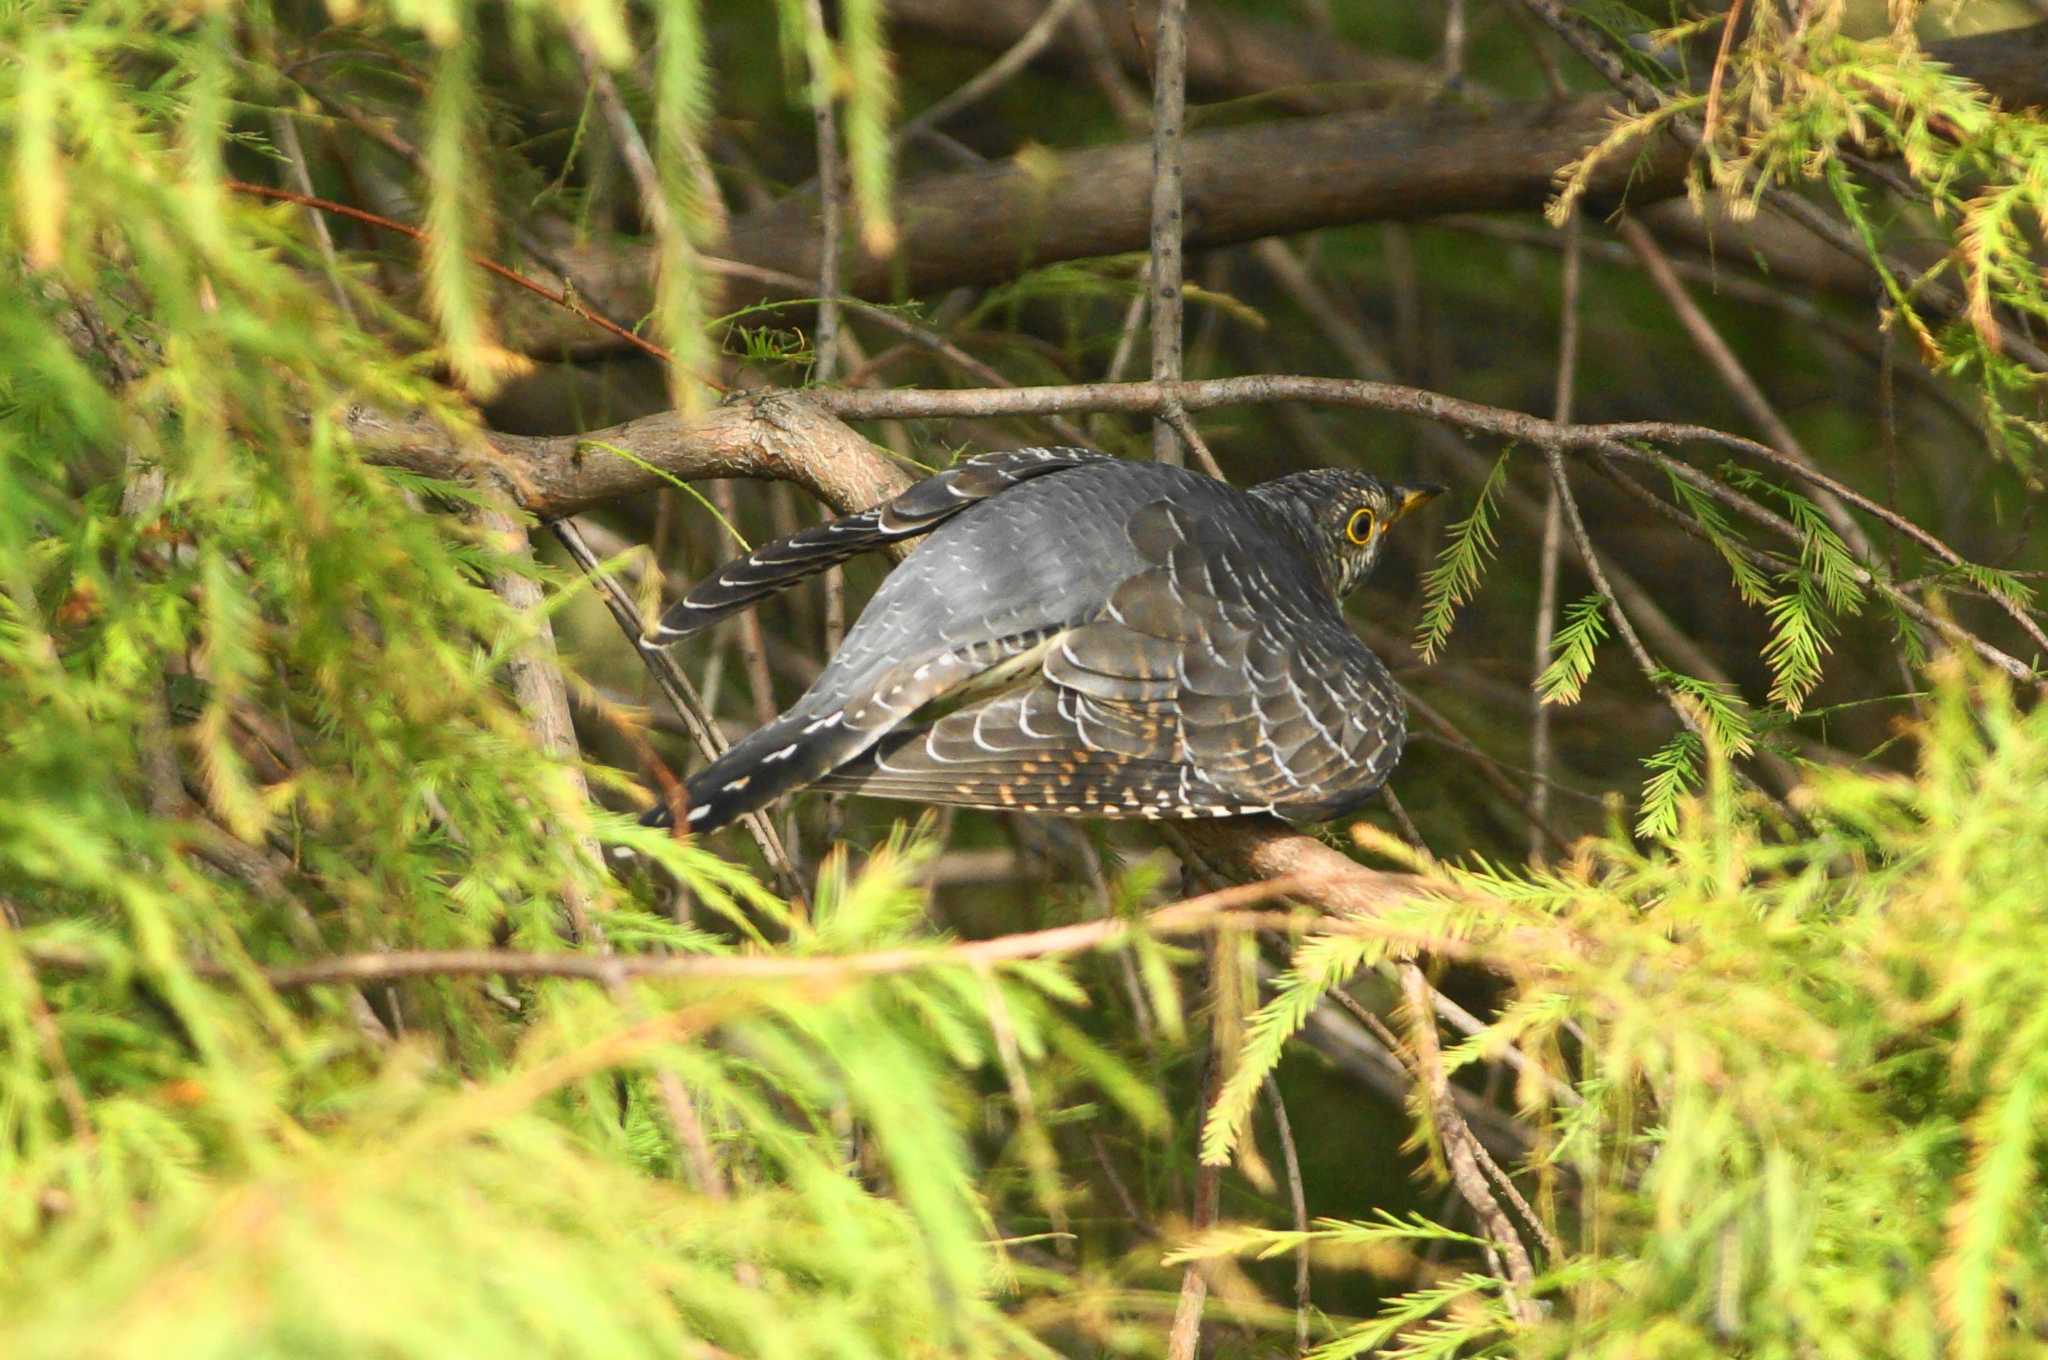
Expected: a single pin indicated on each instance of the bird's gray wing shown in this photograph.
(1219, 678)
(806, 742)
(776, 566)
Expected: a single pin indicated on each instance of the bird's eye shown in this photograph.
(1361, 527)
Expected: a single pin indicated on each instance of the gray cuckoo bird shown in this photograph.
(1085, 635)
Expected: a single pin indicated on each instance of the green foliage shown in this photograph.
(1781, 1082)
(1796, 97)
(1750, 583)
(1800, 628)
(1674, 772)
(1571, 651)
(1809, 1064)
(1317, 968)
(201, 577)
(870, 100)
(1460, 565)
(1718, 707)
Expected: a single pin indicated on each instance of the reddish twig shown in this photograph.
(560, 298)
(1729, 23)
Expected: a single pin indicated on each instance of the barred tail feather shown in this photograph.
(784, 756)
(776, 566)
(768, 569)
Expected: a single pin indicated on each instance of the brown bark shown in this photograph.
(990, 223)
(776, 436)
(1253, 849)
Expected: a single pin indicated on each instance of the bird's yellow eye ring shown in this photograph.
(1363, 524)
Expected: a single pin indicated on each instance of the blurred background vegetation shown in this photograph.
(347, 1011)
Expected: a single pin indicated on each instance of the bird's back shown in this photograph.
(1044, 554)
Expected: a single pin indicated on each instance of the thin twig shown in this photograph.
(1451, 62)
(893, 319)
(1707, 339)
(753, 636)
(1721, 278)
(1553, 541)
(1184, 1338)
(1468, 1024)
(560, 297)
(993, 76)
(1205, 394)
(1184, 425)
(1584, 39)
(1169, 118)
(50, 1037)
(831, 191)
(163, 780)
(1561, 485)
(681, 694)
(286, 133)
(1729, 23)
(528, 240)
(1297, 1200)
(1192, 916)
(538, 687)
(1458, 1144)
(632, 146)
(1745, 506)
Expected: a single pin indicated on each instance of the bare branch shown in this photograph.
(1461, 1149)
(542, 695)
(1169, 115)
(682, 697)
(1189, 917)
(985, 224)
(831, 191)
(1553, 538)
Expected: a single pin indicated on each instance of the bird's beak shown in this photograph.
(1418, 494)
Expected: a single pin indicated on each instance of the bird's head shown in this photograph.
(1347, 515)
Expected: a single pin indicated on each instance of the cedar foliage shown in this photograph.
(1778, 1080)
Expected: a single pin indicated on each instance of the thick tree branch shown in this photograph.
(776, 436)
(1290, 175)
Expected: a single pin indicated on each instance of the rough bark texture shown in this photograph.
(1290, 175)
(776, 436)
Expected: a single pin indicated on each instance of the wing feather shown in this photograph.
(1209, 685)
(775, 566)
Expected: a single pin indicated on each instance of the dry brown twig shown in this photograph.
(541, 693)
(1169, 119)
(48, 1036)
(1553, 540)
(1196, 915)
(831, 191)
(560, 297)
(682, 696)
(1461, 1149)
(1297, 1203)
